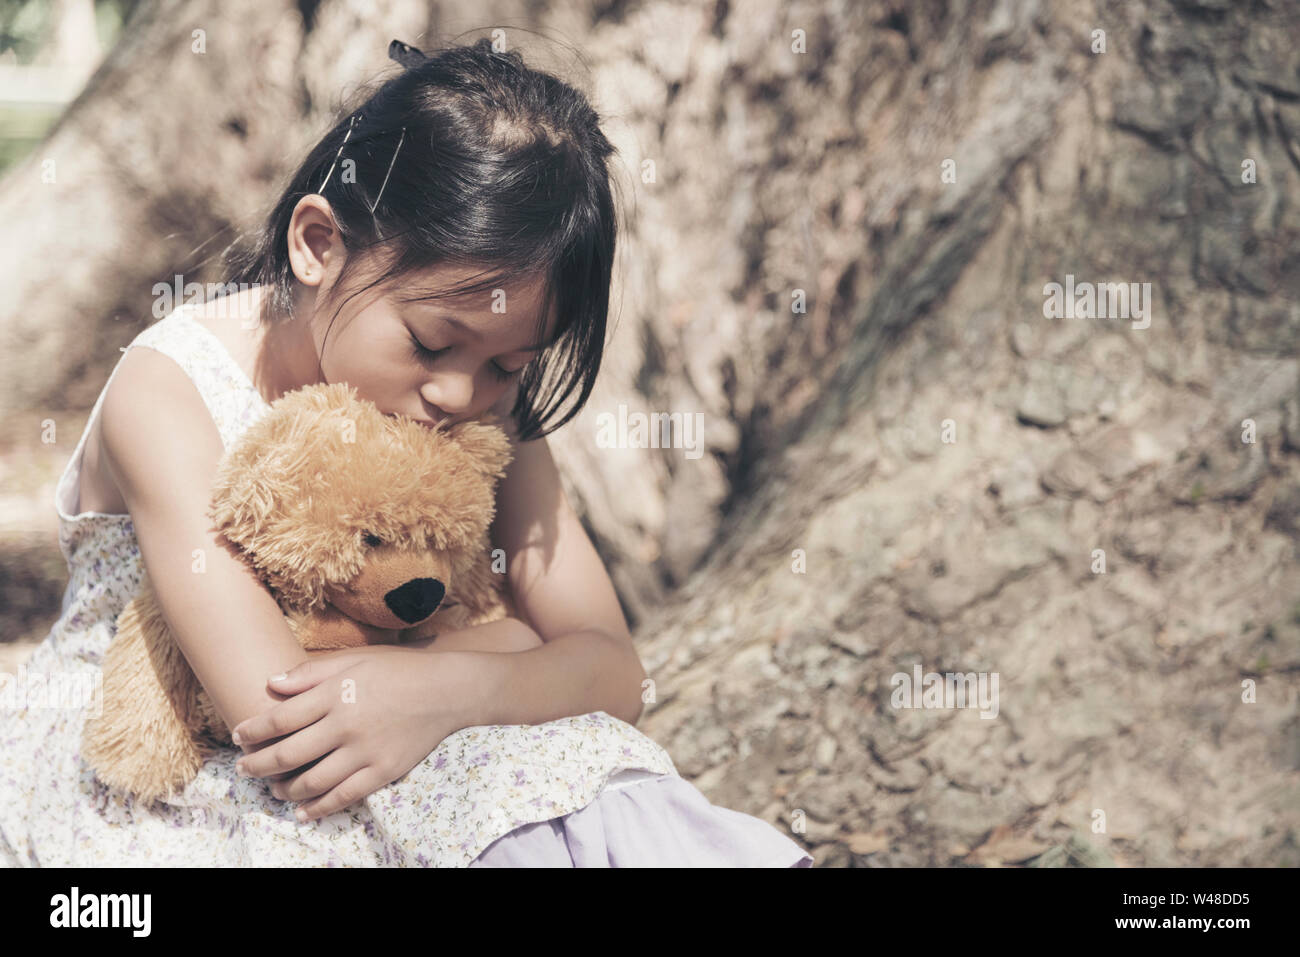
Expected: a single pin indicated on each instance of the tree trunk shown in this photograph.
(177, 143)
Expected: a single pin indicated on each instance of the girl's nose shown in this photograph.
(450, 395)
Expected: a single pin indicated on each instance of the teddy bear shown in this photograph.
(366, 528)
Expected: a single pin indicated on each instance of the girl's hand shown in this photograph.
(365, 716)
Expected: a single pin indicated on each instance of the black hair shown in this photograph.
(499, 165)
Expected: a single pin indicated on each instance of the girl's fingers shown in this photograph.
(284, 718)
(311, 672)
(335, 768)
(314, 741)
(290, 775)
(355, 788)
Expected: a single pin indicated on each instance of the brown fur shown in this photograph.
(295, 497)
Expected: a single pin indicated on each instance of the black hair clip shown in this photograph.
(406, 55)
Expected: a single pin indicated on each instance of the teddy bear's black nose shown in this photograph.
(416, 600)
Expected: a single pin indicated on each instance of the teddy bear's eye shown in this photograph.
(373, 540)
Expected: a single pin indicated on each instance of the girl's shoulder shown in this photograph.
(203, 350)
(213, 343)
(224, 335)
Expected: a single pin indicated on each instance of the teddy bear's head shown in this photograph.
(334, 502)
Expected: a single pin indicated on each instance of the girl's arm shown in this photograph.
(587, 663)
(562, 593)
(161, 448)
(506, 635)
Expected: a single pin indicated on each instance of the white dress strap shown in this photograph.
(231, 397)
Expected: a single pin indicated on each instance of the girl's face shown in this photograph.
(434, 360)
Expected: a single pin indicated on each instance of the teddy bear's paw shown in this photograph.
(152, 764)
(146, 785)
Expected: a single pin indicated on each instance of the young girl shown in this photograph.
(459, 227)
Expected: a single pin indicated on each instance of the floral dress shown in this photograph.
(588, 790)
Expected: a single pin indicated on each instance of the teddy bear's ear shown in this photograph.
(486, 445)
(261, 472)
(244, 500)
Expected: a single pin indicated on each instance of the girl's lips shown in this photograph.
(424, 422)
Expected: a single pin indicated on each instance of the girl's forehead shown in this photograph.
(482, 310)
(442, 276)
(439, 284)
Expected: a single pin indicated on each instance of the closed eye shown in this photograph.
(423, 354)
(419, 351)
